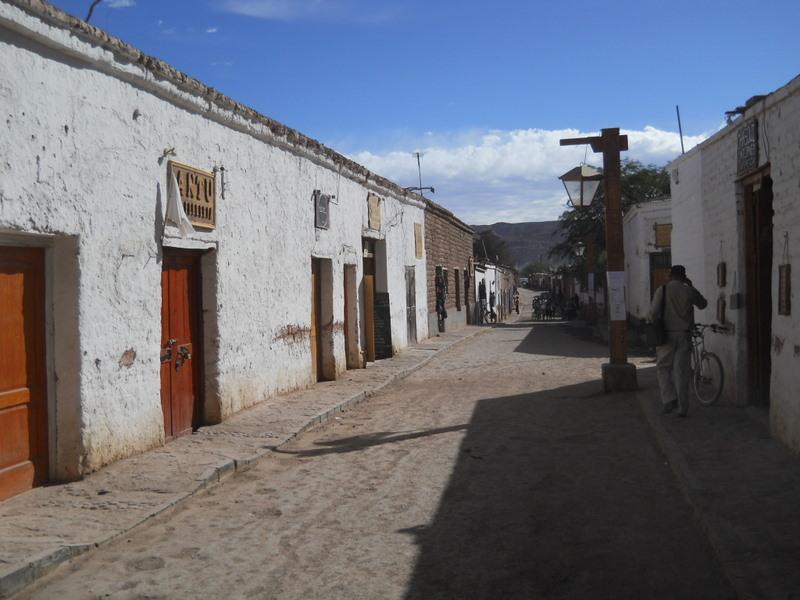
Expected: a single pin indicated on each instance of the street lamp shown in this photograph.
(580, 248)
(618, 373)
(581, 184)
(419, 189)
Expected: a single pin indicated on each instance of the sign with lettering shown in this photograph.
(322, 202)
(418, 240)
(198, 194)
(747, 147)
(374, 211)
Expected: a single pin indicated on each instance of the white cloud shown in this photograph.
(496, 175)
(293, 10)
(212, 30)
(120, 3)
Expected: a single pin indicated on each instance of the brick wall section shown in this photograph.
(448, 243)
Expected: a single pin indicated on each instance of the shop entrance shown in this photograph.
(181, 342)
(758, 263)
(369, 299)
(23, 393)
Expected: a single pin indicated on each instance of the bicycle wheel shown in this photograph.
(708, 378)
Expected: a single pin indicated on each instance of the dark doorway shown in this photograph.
(660, 264)
(411, 304)
(758, 262)
(181, 344)
(369, 299)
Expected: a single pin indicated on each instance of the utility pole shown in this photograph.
(618, 373)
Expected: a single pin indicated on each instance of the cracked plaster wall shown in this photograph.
(84, 131)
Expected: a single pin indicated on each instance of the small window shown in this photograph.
(663, 235)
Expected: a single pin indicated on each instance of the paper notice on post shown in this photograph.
(616, 295)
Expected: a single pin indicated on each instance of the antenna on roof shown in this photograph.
(91, 9)
(680, 129)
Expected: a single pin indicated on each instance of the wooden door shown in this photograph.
(316, 337)
(411, 304)
(181, 351)
(23, 393)
(369, 305)
(758, 260)
(660, 267)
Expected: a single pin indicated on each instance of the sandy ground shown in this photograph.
(496, 471)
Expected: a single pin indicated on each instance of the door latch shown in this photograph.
(167, 356)
(183, 355)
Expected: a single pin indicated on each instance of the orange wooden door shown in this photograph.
(23, 393)
(316, 340)
(180, 343)
(369, 308)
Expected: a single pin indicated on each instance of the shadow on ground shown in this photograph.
(362, 442)
(562, 494)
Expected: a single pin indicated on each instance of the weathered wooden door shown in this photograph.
(758, 260)
(411, 304)
(181, 351)
(369, 300)
(23, 393)
(660, 267)
(316, 337)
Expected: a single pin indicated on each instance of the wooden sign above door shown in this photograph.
(198, 194)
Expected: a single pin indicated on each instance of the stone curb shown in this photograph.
(690, 486)
(17, 578)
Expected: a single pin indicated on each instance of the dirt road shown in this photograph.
(496, 471)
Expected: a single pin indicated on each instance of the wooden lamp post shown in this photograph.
(618, 373)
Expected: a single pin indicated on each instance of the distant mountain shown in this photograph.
(527, 242)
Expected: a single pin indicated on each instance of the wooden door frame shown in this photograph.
(198, 333)
(758, 291)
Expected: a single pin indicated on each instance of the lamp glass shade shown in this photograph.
(581, 184)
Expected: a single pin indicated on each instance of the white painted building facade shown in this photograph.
(90, 127)
(736, 224)
(647, 250)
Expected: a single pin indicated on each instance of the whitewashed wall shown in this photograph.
(83, 143)
(639, 238)
(708, 228)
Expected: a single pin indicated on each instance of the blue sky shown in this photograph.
(483, 89)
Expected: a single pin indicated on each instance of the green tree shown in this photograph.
(487, 245)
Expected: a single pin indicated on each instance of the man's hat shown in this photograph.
(678, 272)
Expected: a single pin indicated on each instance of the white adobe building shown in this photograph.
(646, 233)
(736, 228)
(127, 334)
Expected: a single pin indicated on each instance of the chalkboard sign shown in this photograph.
(383, 326)
(747, 147)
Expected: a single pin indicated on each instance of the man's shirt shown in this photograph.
(679, 310)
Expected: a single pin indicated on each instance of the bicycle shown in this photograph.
(708, 375)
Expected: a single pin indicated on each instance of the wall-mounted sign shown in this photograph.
(418, 240)
(374, 211)
(785, 289)
(198, 194)
(747, 147)
(322, 203)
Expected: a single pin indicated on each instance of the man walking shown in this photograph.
(672, 358)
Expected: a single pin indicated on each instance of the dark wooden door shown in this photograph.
(369, 307)
(660, 267)
(181, 351)
(758, 250)
(23, 393)
(411, 304)
(316, 328)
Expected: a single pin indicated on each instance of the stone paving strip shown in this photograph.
(743, 486)
(49, 525)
